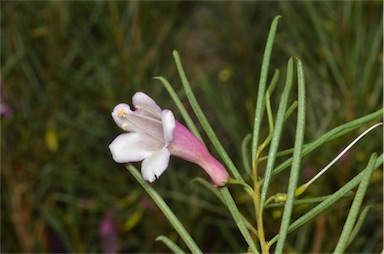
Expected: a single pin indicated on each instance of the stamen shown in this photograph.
(121, 113)
(138, 107)
(124, 126)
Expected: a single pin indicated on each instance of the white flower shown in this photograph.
(153, 135)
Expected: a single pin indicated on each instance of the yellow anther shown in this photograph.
(121, 112)
(138, 107)
(124, 126)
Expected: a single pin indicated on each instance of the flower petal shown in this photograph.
(130, 147)
(168, 120)
(142, 101)
(120, 113)
(153, 166)
(138, 121)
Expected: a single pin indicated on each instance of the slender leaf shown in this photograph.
(355, 208)
(203, 120)
(209, 186)
(330, 135)
(261, 88)
(170, 244)
(217, 193)
(244, 154)
(295, 169)
(290, 110)
(268, 94)
(238, 218)
(273, 83)
(276, 133)
(330, 201)
(359, 224)
(188, 120)
(306, 201)
(165, 209)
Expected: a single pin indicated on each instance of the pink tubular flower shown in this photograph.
(153, 135)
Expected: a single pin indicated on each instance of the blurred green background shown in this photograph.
(65, 65)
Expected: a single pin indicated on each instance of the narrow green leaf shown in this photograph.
(290, 110)
(217, 193)
(330, 201)
(273, 83)
(195, 202)
(295, 169)
(330, 135)
(188, 120)
(355, 207)
(262, 86)
(359, 224)
(170, 244)
(306, 201)
(238, 218)
(165, 209)
(244, 154)
(268, 94)
(203, 120)
(276, 133)
(249, 225)
(306, 146)
(269, 112)
(209, 186)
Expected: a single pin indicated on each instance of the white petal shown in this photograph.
(153, 166)
(168, 121)
(141, 100)
(130, 147)
(138, 121)
(120, 114)
(124, 106)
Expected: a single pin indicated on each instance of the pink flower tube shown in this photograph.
(153, 135)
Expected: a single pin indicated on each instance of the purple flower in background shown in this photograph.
(153, 135)
(108, 233)
(4, 108)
